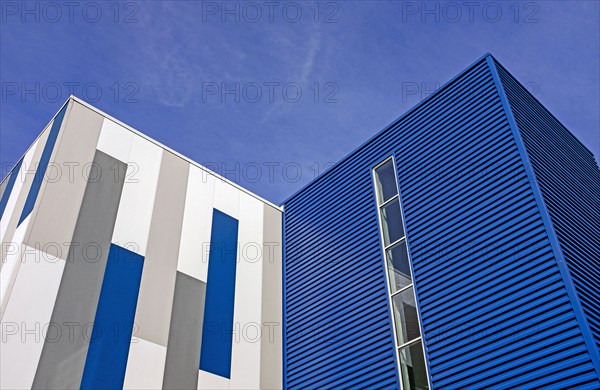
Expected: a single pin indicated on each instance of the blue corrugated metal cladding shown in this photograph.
(495, 309)
(569, 180)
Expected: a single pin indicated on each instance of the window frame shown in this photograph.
(390, 295)
(407, 345)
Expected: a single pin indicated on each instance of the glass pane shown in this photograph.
(385, 178)
(398, 268)
(405, 316)
(412, 367)
(391, 219)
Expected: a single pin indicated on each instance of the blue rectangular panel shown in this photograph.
(217, 331)
(9, 186)
(43, 165)
(82, 279)
(111, 336)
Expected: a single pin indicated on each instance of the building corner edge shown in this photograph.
(552, 236)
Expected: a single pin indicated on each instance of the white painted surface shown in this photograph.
(208, 381)
(137, 199)
(166, 148)
(197, 222)
(227, 198)
(145, 365)
(14, 251)
(204, 192)
(245, 358)
(30, 308)
(115, 140)
(26, 174)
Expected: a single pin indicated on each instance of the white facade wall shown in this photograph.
(160, 209)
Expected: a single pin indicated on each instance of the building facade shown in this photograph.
(127, 265)
(458, 248)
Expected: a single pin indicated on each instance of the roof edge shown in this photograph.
(36, 138)
(174, 152)
(391, 124)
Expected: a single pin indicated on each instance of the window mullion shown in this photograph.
(398, 271)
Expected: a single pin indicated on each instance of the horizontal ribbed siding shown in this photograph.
(569, 179)
(338, 329)
(494, 308)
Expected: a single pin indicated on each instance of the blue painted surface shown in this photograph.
(494, 306)
(568, 180)
(43, 165)
(217, 331)
(14, 174)
(111, 336)
(283, 311)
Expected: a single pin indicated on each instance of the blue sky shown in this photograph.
(270, 94)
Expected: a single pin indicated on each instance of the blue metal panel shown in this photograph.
(14, 174)
(283, 314)
(217, 331)
(569, 180)
(111, 337)
(493, 304)
(40, 172)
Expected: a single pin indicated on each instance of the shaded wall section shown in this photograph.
(569, 180)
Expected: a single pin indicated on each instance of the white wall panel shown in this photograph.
(15, 251)
(197, 221)
(28, 313)
(145, 365)
(8, 273)
(115, 140)
(208, 381)
(245, 359)
(227, 198)
(137, 199)
(30, 280)
(26, 173)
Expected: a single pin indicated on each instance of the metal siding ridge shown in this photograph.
(391, 124)
(336, 205)
(560, 260)
(376, 146)
(284, 348)
(569, 180)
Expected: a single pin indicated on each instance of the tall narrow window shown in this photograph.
(407, 331)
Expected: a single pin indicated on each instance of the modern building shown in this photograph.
(128, 265)
(459, 248)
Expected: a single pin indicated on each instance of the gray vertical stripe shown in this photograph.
(66, 345)
(185, 334)
(58, 205)
(160, 265)
(271, 365)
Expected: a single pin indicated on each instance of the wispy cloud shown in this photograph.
(314, 44)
